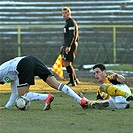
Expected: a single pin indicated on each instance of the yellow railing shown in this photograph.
(114, 28)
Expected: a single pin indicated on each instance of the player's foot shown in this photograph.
(84, 103)
(71, 84)
(48, 101)
(77, 81)
(80, 94)
(128, 96)
(98, 105)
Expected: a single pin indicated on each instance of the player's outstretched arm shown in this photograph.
(3, 108)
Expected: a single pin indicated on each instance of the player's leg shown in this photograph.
(114, 91)
(51, 81)
(70, 71)
(98, 104)
(26, 69)
(74, 56)
(67, 62)
(48, 98)
(22, 89)
(117, 103)
(72, 75)
(33, 96)
(42, 71)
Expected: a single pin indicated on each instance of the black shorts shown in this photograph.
(72, 54)
(29, 67)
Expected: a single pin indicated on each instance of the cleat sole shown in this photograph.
(98, 105)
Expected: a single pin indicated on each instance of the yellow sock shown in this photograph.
(114, 91)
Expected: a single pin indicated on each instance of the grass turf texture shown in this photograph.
(121, 67)
(66, 116)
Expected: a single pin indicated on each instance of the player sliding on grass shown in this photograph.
(20, 72)
(112, 93)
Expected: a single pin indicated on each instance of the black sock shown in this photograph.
(70, 73)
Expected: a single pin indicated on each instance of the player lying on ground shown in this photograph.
(113, 92)
(20, 72)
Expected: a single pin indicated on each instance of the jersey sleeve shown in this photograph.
(10, 76)
(14, 93)
(71, 32)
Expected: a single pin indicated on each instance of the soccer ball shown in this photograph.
(22, 103)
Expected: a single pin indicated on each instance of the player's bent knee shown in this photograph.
(22, 90)
(102, 87)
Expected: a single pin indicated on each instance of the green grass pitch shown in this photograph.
(65, 116)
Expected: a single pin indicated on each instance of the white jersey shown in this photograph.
(8, 69)
(9, 73)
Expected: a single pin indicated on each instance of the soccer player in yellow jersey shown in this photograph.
(113, 92)
(106, 89)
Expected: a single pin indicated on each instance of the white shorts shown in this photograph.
(119, 102)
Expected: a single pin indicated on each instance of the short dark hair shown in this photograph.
(100, 66)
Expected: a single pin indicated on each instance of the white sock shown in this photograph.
(67, 90)
(36, 96)
(85, 99)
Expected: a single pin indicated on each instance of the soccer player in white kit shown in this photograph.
(20, 72)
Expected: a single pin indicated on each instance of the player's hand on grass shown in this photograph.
(3, 108)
